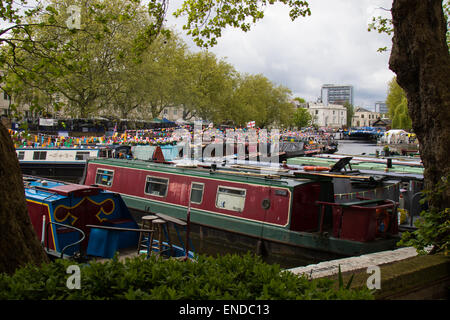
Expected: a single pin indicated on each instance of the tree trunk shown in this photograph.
(420, 58)
(18, 242)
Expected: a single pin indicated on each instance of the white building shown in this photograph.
(332, 115)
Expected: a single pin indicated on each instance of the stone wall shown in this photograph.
(403, 273)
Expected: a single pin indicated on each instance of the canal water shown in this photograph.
(358, 147)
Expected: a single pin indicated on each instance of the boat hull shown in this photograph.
(71, 172)
(286, 248)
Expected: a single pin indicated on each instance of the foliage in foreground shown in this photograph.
(227, 277)
(433, 226)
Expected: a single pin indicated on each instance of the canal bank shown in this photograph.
(403, 274)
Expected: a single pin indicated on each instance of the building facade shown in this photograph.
(336, 94)
(381, 107)
(364, 118)
(5, 102)
(331, 115)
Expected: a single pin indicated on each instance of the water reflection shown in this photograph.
(358, 147)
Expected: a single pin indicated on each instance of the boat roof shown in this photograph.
(257, 175)
(375, 165)
(50, 190)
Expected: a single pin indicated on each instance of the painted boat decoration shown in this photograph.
(275, 212)
(73, 220)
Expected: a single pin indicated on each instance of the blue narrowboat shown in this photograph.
(73, 220)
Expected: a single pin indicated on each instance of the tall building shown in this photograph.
(336, 94)
(381, 107)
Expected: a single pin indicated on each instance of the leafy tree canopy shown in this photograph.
(398, 106)
(207, 19)
(302, 118)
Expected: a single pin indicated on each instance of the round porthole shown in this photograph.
(265, 204)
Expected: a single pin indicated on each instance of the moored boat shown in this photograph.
(62, 163)
(274, 211)
(81, 222)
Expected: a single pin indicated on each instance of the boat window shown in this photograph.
(39, 155)
(156, 186)
(21, 155)
(197, 192)
(279, 192)
(104, 177)
(82, 155)
(230, 198)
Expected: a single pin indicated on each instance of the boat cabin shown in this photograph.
(215, 195)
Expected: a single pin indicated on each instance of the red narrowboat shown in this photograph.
(278, 214)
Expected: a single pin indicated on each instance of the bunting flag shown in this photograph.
(251, 124)
(159, 136)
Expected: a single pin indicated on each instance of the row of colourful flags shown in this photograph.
(152, 136)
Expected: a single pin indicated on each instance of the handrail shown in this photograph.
(67, 226)
(118, 229)
(393, 213)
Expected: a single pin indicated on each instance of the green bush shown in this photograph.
(433, 225)
(227, 277)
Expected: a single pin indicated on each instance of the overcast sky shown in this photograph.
(330, 46)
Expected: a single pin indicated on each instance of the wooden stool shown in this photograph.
(159, 225)
(148, 220)
(146, 238)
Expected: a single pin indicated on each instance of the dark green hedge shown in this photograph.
(227, 277)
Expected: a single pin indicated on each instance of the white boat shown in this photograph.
(64, 163)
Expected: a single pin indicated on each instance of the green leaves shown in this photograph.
(50, 58)
(228, 277)
(302, 118)
(398, 106)
(207, 19)
(433, 226)
(256, 98)
(383, 25)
